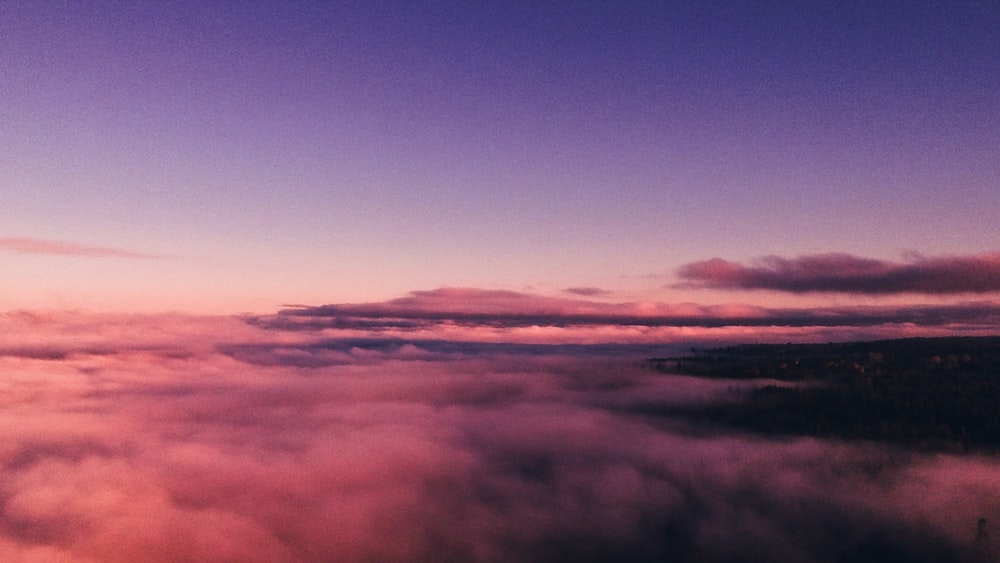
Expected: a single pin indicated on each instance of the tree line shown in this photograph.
(940, 394)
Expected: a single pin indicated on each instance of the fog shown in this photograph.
(209, 439)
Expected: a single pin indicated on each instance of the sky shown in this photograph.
(378, 281)
(222, 157)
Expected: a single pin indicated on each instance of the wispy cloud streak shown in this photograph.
(57, 248)
(845, 273)
(587, 291)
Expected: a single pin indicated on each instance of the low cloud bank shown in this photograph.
(844, 273)
(187, 439)
(460, 309)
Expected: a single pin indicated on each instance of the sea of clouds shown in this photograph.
(174, 438)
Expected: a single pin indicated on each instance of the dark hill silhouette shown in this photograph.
(938, 394)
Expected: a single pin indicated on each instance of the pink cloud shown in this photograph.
(162, 448)
(41, 246)
(844, 273)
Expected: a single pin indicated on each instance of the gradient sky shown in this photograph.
(276, 277)
(237, 156)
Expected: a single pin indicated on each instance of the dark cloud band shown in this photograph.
(844, 273)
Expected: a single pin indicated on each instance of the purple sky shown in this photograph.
(454, 228)
(228, 156)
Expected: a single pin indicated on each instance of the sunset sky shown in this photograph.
(218, 157)
(347, 282)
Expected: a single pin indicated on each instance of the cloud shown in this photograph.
(166, 446)
(844, 273)
(339, 351)
(587, 291)
(40, 246)
(477, 307)
(464, 309)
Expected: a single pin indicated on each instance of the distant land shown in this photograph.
(927, 394)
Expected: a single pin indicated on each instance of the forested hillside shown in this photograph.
(925, 393)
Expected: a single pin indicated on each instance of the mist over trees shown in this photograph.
(934, 394)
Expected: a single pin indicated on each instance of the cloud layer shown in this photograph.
(844, 273)
(41, 246)
(163, 438)
(511, 316)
